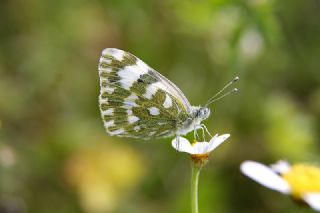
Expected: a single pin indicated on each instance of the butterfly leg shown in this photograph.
(178, 140)
(196, 134)
(206, 129)
(203, 134)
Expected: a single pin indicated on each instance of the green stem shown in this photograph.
(194, 186)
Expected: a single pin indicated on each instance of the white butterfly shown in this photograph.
(137, 101)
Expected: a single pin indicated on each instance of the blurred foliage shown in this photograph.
(102, 174)
(54, 153)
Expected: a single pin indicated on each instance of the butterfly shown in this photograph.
(138, 102)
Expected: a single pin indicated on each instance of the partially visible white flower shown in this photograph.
(198, 148)
(281, 167)
(265, 176)
(300, 181)
(313, 199)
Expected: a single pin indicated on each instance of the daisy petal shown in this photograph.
(265, 176)
(281, 167)
(216, 141)
(313, 200)
(183, 145)
(200, 148)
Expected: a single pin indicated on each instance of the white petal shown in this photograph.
(183, 145)
(265, 176)
(200, 148)
(313, 200)
(281, 167)
(216, 141)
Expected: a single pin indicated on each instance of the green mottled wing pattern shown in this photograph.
(135, 100)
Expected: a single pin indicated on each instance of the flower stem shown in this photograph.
(194, 186)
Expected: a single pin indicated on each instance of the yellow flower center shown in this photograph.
(303, 179)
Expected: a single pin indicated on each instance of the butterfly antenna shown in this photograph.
(217, 97)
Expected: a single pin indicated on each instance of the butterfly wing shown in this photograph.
(137, 101)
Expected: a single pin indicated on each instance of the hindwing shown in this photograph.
(137, 101)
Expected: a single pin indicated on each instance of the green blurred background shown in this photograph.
(54, 153)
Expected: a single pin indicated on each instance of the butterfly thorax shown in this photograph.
(196, 116)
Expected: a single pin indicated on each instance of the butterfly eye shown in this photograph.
(202, 113)
(206, 113)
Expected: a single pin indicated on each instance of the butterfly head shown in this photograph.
(201, 113)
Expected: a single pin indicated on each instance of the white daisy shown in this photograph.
(199, 148)
(300, 181)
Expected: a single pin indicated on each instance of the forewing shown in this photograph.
(135, 100)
